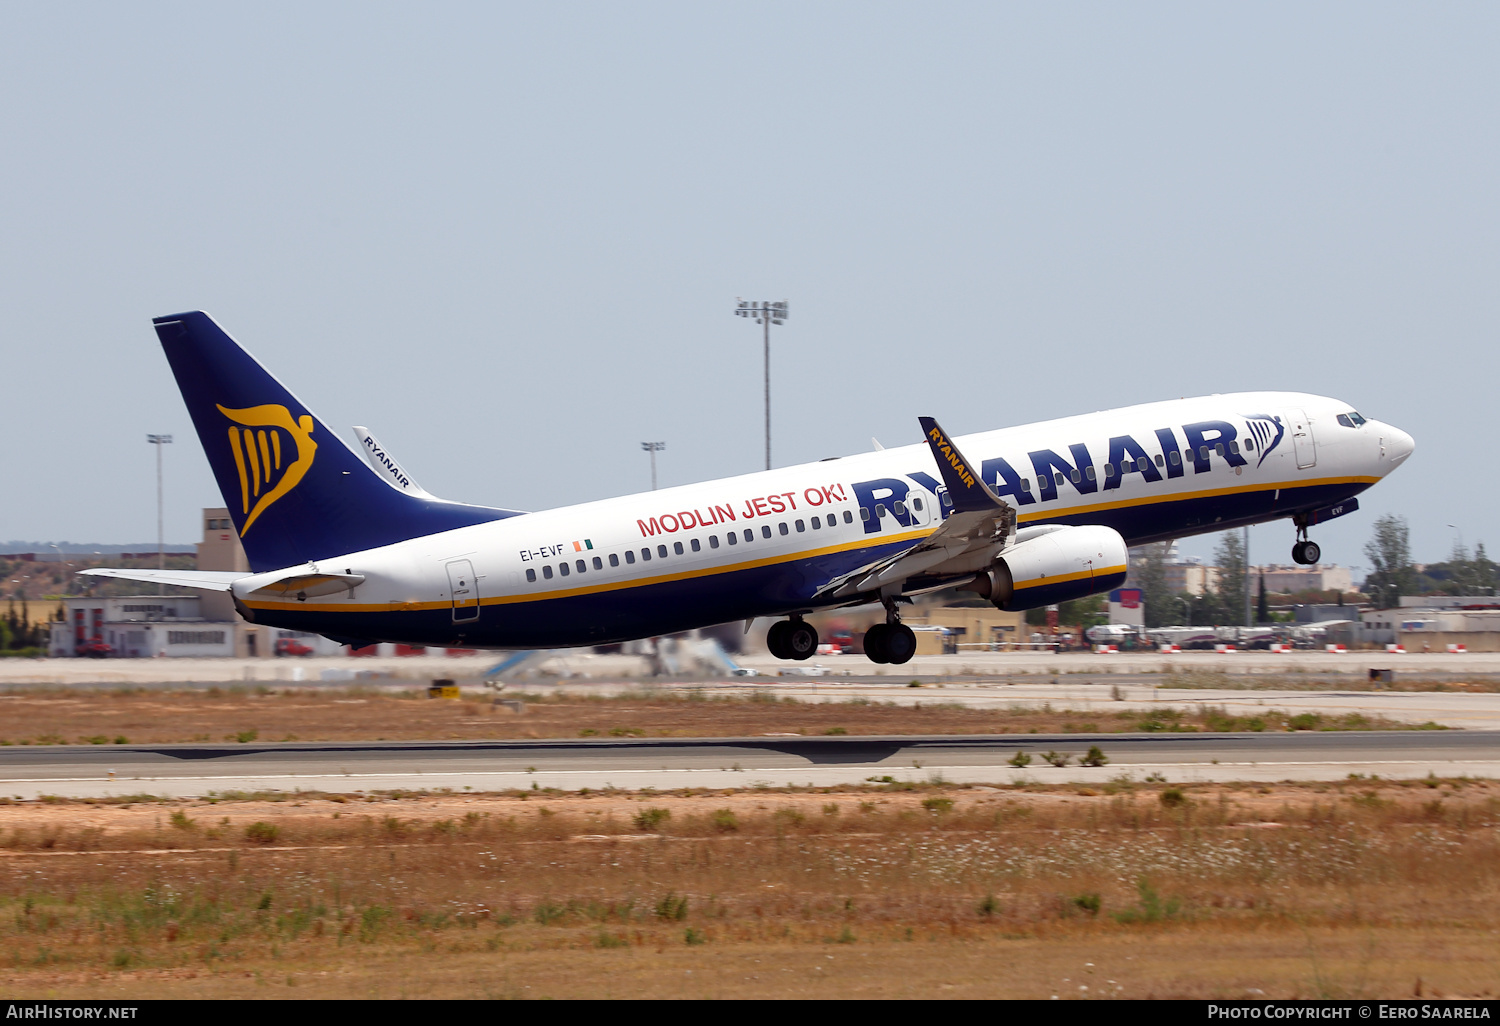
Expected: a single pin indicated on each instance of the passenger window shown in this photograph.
(1234, 447)
(1142, 463)
(833, 521)
(1060, 480)
(645, 555)
(732, 538)
(1090, 473)
(697, 545)
(547, 571)
(614, 560)
(900, 508)
(916, 504)
(750, 535)
(801, 527)
(530, 575)
(1219, 448)
(947, 499)
(677, 547)
(713, 541)
(782, 528)
(1203, 451)
(849, 517)
(582, 566)
(765, 530)
(1249, 445)
(1176, 459)
(1159, 460)
(630, 556)
(598, 563)
(880, 509)
(817, 523)
(562, 568)
(661, 550)
(1026, 485)
(1075, 475)
(864, 513)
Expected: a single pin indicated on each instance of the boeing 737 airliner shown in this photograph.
(1026, 516)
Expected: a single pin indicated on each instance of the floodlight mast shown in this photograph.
(653, 448)
(159, 441)
(766, 313)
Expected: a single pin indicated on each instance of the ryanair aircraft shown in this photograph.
(352, 548)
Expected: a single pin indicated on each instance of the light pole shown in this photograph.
(653, 448)
(766, 313)
(161, 551)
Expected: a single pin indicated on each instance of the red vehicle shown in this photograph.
(96, 650)
(292, 647)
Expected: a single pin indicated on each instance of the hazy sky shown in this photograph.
(509, 237)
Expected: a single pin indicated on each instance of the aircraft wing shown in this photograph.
(969, 539)
(205, 580)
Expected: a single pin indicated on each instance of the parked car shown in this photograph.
(96, 650)
(292, 647)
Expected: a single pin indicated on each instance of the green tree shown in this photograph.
(1262, 607)
(1085, 612)
(1483, 571)
(1389, 553)
(1150, 575)
(1230, 556)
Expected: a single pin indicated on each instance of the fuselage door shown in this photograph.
(464, 590)
(1302, 439)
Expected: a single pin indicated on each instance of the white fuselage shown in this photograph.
(768, 543)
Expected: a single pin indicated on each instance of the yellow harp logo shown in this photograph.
(262, 455)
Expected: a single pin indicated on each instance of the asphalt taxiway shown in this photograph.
(186, 770)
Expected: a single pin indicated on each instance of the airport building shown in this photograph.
(198, 625)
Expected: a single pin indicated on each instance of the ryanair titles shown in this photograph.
(389, 464)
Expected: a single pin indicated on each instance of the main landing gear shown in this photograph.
(892, 641)
(792, 639)
(1304, 552)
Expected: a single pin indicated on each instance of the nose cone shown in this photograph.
(1397, 444)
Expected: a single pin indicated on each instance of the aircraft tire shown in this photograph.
(776, 639)
(875, 643)
(800, 639)
(1311, 553)
(900, 643)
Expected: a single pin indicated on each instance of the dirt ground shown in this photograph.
(139, 716)
(1356, 889)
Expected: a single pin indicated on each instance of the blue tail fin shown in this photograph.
(295, 491)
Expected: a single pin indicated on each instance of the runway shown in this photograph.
(195, 770)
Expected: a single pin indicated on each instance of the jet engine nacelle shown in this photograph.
(1056, 565)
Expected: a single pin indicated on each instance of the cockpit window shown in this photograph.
(1351, 419)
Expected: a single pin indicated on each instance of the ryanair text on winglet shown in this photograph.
(951, 454)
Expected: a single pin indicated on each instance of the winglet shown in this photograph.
(965, 488)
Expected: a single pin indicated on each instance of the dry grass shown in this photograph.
(131, 716)
(1356, 889)
(1405, 681)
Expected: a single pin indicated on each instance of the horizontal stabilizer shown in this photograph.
(302, 586)
(205, 580)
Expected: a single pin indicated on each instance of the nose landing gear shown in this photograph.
(792, 639)
(1305, 552)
